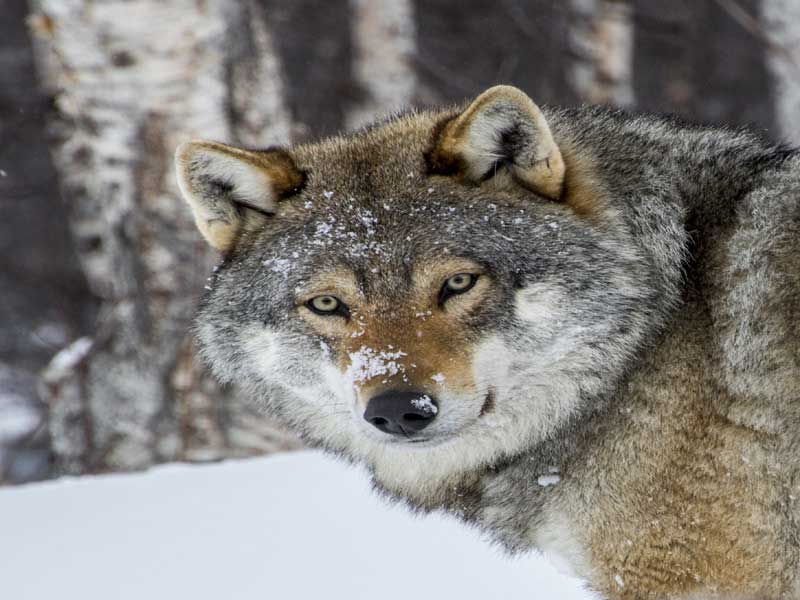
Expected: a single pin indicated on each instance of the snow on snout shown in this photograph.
(425, 404)
(366, 363)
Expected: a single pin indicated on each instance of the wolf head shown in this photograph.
(431, 295)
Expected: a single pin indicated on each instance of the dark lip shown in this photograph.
(488, 403)
(406, 441)
(398, 439)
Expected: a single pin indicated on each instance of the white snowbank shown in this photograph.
(290, 526)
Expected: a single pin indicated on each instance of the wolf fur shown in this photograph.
(620, 389)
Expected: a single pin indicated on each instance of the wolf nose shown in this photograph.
(401, 411)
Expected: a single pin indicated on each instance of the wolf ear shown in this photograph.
(231, 189)
(501, 128)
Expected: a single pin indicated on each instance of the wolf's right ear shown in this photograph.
(230, 189)
(502, 130)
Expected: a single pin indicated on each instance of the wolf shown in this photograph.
(576, 329)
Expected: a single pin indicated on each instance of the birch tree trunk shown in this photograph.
(44, 300)
(385, 47)
(781, 31)
(131, 80)
(703, 60)
(601, 38)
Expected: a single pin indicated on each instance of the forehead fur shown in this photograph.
(388, 155)
(369, 206)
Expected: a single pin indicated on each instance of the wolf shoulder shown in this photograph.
(737, 197)
(753, 277)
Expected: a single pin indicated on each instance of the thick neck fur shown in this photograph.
(667, 217)
(649, 377)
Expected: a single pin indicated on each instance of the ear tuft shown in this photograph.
(502, 128)
(230, 189)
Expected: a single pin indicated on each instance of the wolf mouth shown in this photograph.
(409, 441)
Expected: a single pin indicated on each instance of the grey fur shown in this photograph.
(678, 305)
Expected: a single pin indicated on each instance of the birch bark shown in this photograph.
(384, 40)
(601, 40)
(131, 80)
(780, 29)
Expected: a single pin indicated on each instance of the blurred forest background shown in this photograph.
(100, 263)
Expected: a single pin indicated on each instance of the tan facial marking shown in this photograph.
(413, 343)
(441, 357)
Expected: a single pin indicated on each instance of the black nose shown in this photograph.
(401, 411)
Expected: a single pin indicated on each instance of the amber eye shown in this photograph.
(327, 305)
(457, 284)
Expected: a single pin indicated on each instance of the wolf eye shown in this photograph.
(457, 284)
(327, 305)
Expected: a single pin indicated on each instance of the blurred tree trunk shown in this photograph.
(601, 37)
(466, 46)
(130, 81)
(385, 45)
(703, 61)
(44, 299)
(780, 33)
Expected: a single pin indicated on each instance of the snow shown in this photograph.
(51, 334)
(356, 241)
(66, 359)
(366, 363)
(548, 480)
(425, 404)
(290, 526)
(282, 266)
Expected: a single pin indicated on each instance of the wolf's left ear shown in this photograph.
(502, 128)
(230, 189)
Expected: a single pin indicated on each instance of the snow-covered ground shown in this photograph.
(291, 526)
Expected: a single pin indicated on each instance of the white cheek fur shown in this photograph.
(533, 388)
(540, 304)
(261, 347)
(557, 538)
(533, 380)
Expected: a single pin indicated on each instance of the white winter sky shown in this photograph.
(288, 526)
